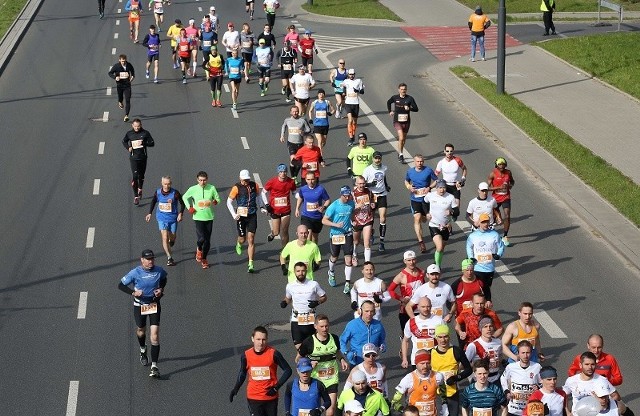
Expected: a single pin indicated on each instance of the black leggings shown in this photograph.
(203, 231)
(271, 19)
(138, 168)
(101, 6)
(124, 92)
(216, 83)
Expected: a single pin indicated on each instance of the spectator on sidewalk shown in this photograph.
(478, 23)
(547, 7)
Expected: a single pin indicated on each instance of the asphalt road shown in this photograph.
(50, 95)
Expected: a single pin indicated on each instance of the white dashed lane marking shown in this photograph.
(548, 324)
(91, 233)
(245, 144)
(96, 186)
(72, 398)
(82, 305)
(105, 116)
(101, 148)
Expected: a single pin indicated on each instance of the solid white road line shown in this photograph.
(109, 90)
(91, 233)
(101, 148)
(96, 186)
(245, 144)
(113, 51)
(72, 398)
(548, 324)
(82, 305)
(105, 116)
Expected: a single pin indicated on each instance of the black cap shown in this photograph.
(147, 254)
(178, 21)
(377, 154)
(362, 136)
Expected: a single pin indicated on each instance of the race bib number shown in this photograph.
(304, 412)
(149, 309)
(204, 203)
(482, 411)
(422, 191)
(308, 51)
(437, 311)
(206, 43)
(263, 62)
(363, 200)
(306, 318)
(403, 118)
(286, 67)
(260, 373)
(467, 304)
(294, 130)
(136, 144)
(243, 211)
(235, 70)
(247, 44)
(153, 47)
(493, 363)
(135, 14)
(312, 166)
(124, 75)
(484, 258)
(425, 344)
(375, 198)
(321, 114)
(425, 408)
(164, 206)
(352, 94)
(326, 373)
(535, 408)
(280, 201)
(184, 48)
(312, 206)
(338, 239)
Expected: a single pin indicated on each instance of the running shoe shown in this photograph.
(205, 264)
(120, 105)
(381, 248)
(140, 192)
(175, 66)
(401, 158)
(423, 248)
(126, 118)
(136, 200)
(354, 260)
(184, 80)
(155, 80)
(473, 59)
(213, 103)
(262, 93)
(155, 373)
(234, 106)
(347, 288)
(351, 142)
(101, 15)
(144, 360)
(198, 255)
(266, 89)
(332, 278)
(219, 103)
(146, 74)
(238, 249)
(505, 241)
(246, 79)
(189, 71)
(283, 91)
(270, 237)
(250, 267)
(170, 262)
(287, 100)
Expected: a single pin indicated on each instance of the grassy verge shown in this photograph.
(533, 6)
(612, 57)
(361, 9)
(9, 10)
(609, 182)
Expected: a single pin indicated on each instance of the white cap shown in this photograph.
(244, 174)
(483, 186)
(369, 348)
(191, 21)
(409, 254)
(351, 71)
(353, 406)
(212, 8)
(433, 268)
(602, 389)
(358, 376)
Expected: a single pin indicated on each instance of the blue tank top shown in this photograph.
(154, 43)
(167, 210)
(340, 77)
(207, 40)
(321, 116)
(234, 67)
(304, 400)
(312, 199)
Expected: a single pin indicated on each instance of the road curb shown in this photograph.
(14, 34)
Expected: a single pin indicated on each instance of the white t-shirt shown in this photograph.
(579, 388)
(376, 175)
(521, 382)
(451, 169)
(351, 89)
(439, 296)
(363, 290)
(422, 332)
(302, 84)
(231, 40)
(440, 208)
(376, 379)
(300, 295)
(478, 206)
(491, 350)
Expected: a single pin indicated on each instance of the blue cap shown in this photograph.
(307, 32)
(304, 365)
(345, 190)
(281, 167)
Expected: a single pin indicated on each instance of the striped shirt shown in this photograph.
(491, 397)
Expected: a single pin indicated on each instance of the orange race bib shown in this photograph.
(482, 411)
(243, 211)
(338, 239)
(149, 309)
(280, 201)
(260, 373)
(306, 318)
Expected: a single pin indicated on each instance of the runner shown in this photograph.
(208, 39)
(375, 372)
(124, 73)
(374, 402)
(269, 38)
(158, 12)
(304, 295)
(323, 349)
(135, 10)
(488, 348)
(276, 196)
(403, 105)
(368, 287)
(410, 278)
(215, 20)
(234, 66)
(468, 285)
(292, 37)
(245, 193)
(174, 33)
(151, 41)
(553, 398)
(300, 250)
(338, 217)
(485, 247)
(483, 204)
(167, 215)
(352, 86)
(184, 52)
(587, 380)
(419, 180)
(148, 283)
(260, 363)
(359, 157)
(420, 386)
(136, 142)
(270, 7)
(247, 42)
(301, 83)
(312, 200)
(468, 321)
(420, 331)
(376, 177)
(308, 158)
(201, 199)
(443, 301)
(362, 218)
(360, 331)
(337, 76)
(296, 128)
(454, 173)
(288, 58)
(606, 364)
(231, 38)
(500, 182)
(249, 8)
(442, 207)
(319, 112)
(193, 33)
(264, 56)
(215, 66)
(482, 397)
(520, 379)
(101, 8)
(305, 395)
(307, 46)
(525, 328)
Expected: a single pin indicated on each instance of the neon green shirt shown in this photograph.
(360, 158)
(202, 199)
(307, 254)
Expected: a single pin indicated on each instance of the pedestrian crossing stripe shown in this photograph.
(329, 44)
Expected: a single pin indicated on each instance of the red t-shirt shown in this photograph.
(311, 158)
(280, 194)
(306, 47)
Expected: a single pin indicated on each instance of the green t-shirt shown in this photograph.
(307, 254)
(360, 158)
(202, 199)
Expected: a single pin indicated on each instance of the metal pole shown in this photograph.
(310, 2)
(502, 33)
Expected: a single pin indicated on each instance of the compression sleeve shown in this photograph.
(154, 201)
(461, 358)
(287, 397)
(126, 289)
(392, 291)
(242, 373)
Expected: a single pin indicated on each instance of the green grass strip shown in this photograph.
(359, 9)
(608, 181)
(533, 6)
(9, 10)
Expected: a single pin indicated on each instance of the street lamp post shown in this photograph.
(502, 33)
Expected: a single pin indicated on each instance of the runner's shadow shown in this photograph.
(559, 304)
(522, 267)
